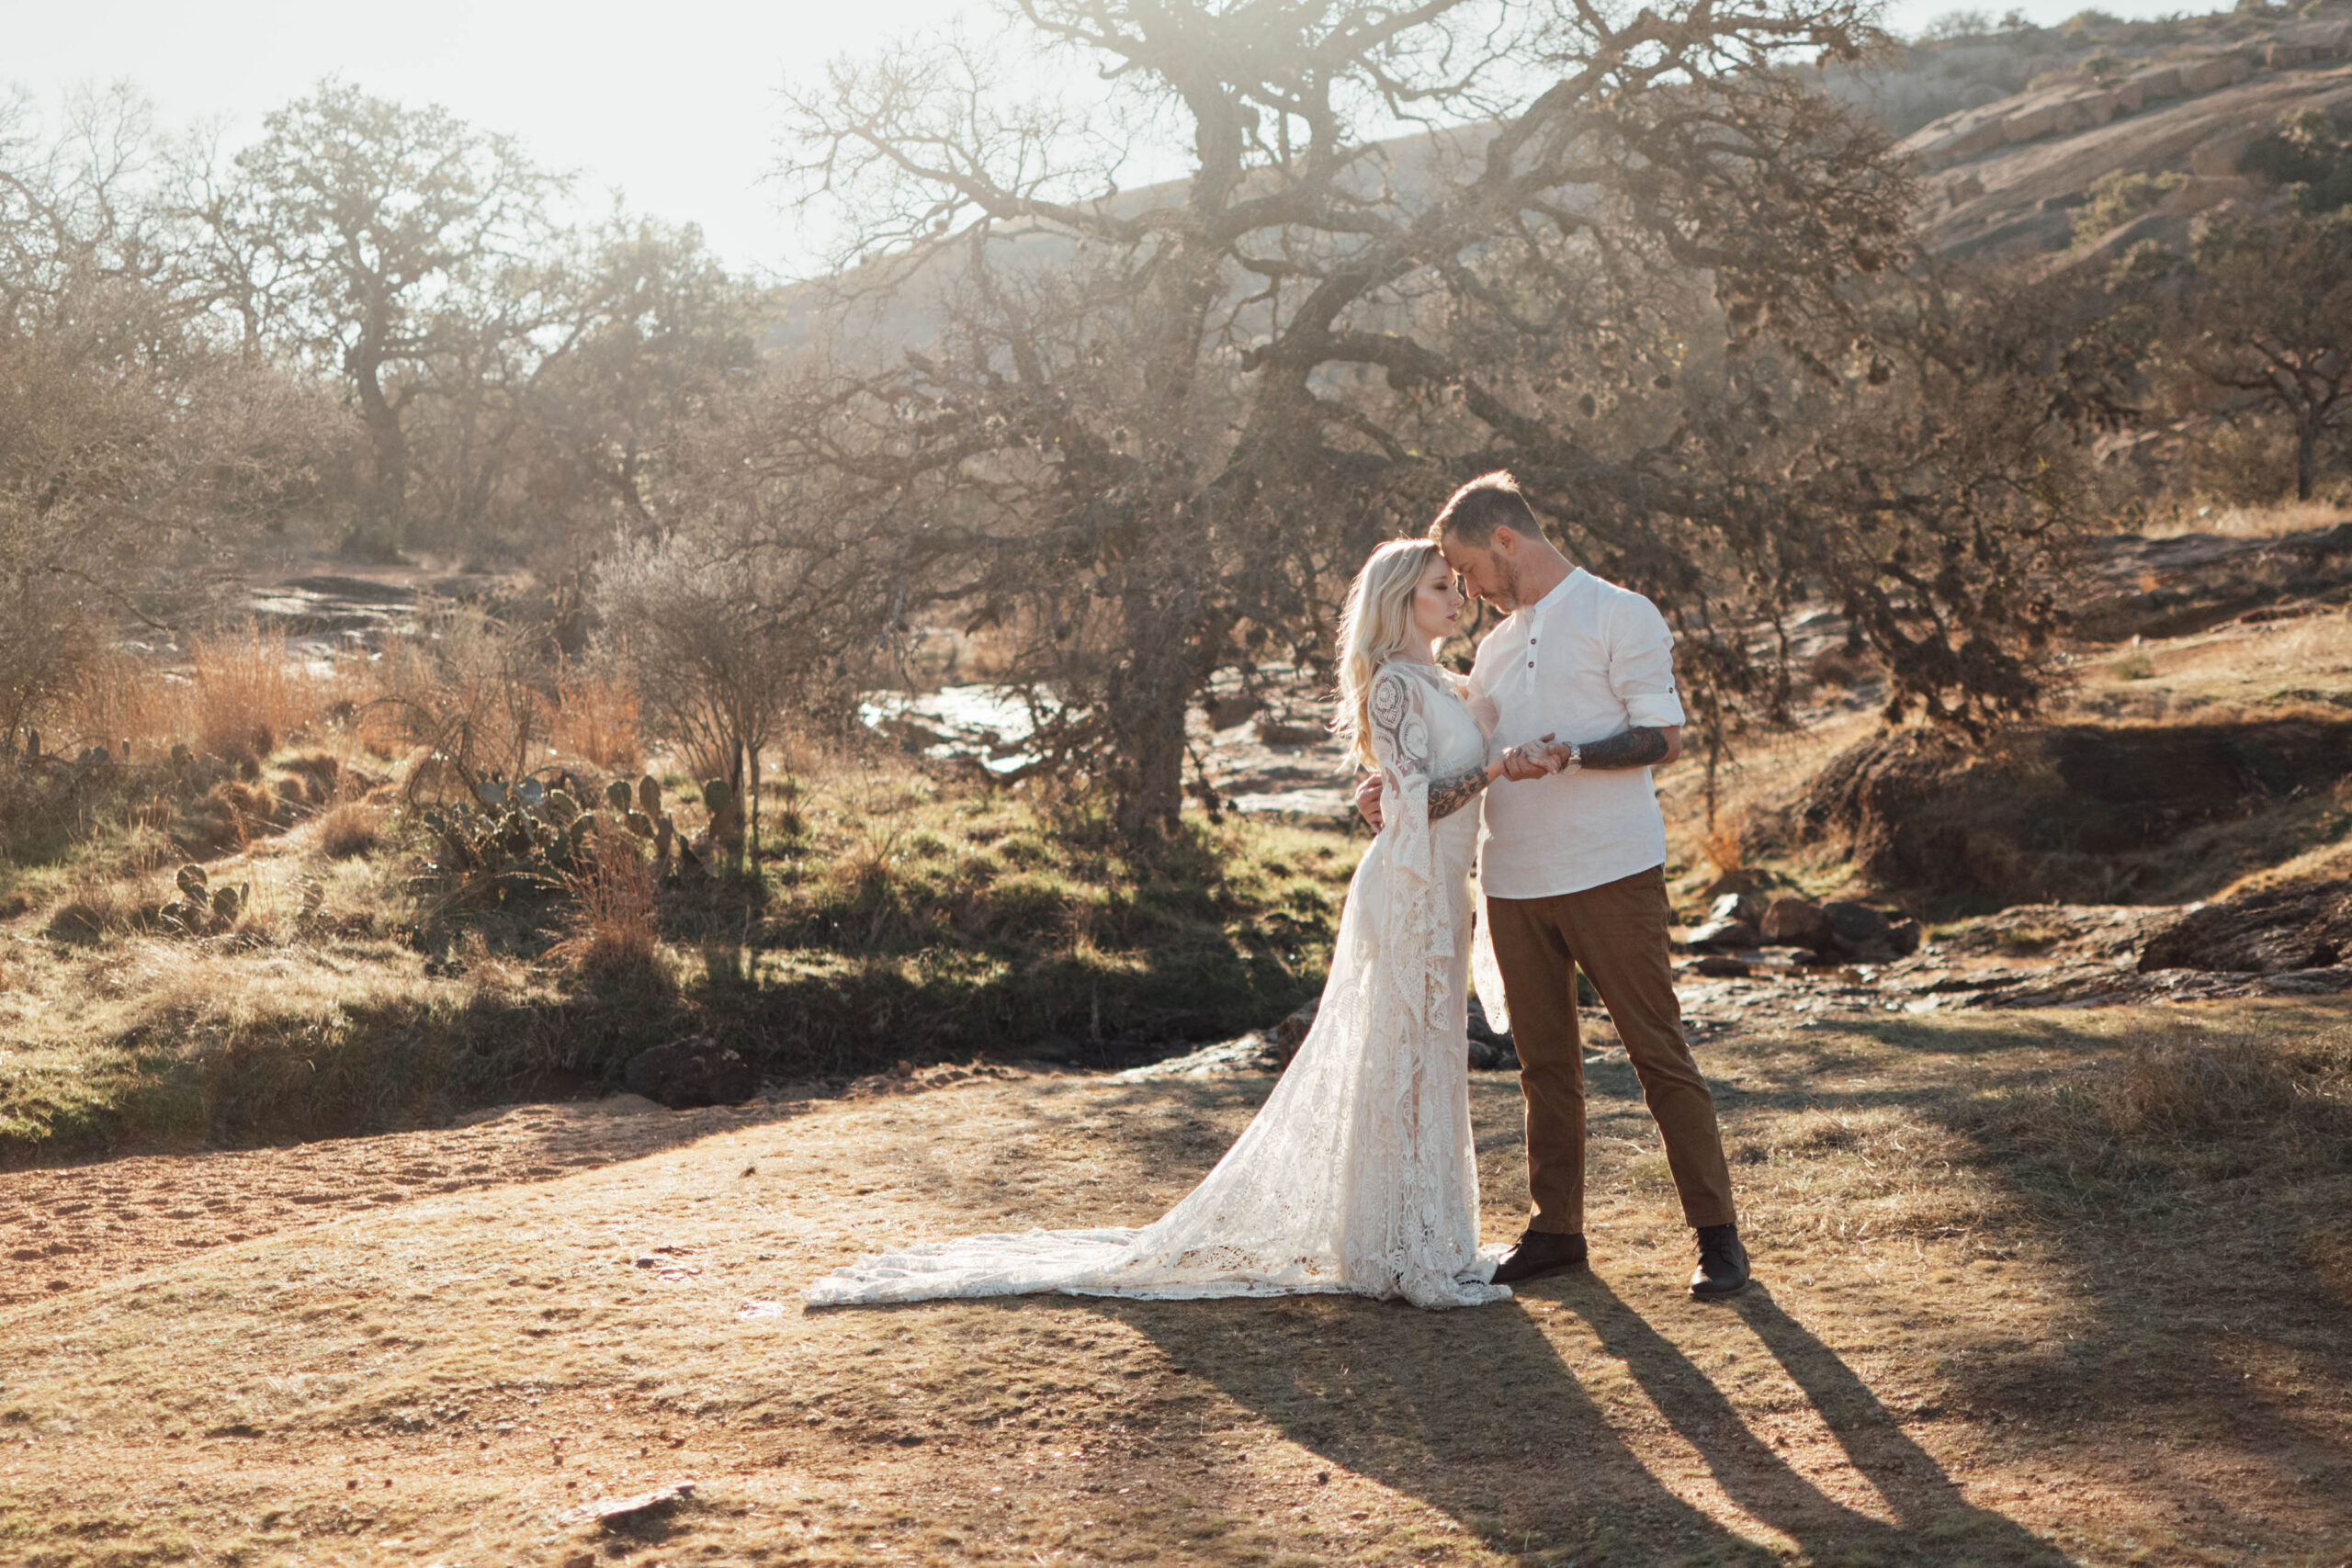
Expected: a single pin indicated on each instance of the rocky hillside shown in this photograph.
(2185, 97)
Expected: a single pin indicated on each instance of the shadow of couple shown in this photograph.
(1479, 1415)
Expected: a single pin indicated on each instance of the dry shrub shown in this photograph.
(1724, 841)
(464, 695)
(356, 829)
(249, 692)
(231, 813)
(617, 945)
(320, 774)
(118, 697)
(595, 718)
(97, 909)
(2247, 465)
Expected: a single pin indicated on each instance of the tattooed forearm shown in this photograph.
(1450, 796)
(1636, 748)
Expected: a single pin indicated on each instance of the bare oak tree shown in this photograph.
(1146, 433)
(406, 253)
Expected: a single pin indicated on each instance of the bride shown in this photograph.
(1358, 1174)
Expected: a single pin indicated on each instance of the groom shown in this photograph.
(1574, 868)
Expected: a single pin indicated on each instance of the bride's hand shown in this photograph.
(1523, 762)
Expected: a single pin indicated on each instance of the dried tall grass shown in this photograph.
(618, 944)
(250, 693)
(467, 697)
(353, 828)
(121, 701)
(596, 718)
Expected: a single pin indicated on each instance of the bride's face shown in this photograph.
(1437, 602)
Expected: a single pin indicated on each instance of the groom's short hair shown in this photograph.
(1486, 504)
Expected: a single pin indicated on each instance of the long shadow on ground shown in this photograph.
(1476, 1414)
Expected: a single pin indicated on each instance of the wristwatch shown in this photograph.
(1575, 759)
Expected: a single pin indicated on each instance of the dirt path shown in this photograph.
(600, 1303)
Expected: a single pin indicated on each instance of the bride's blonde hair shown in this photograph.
(1374, 629)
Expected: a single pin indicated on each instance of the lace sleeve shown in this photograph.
(1400, 739)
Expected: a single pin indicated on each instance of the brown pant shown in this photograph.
(1617, 932)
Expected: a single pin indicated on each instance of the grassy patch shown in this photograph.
(891, 918)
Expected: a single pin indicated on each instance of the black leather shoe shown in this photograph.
(1723, 1264)
(1540, 1252)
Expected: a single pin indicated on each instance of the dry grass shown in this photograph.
(1723, 839)
(248, 693)
(122, 702)
(354, 827)
(618, 942)
(596, 718)
(1949, 1361)
(99, 908)
(2259, 521)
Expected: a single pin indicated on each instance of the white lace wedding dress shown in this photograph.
(1358, 1174)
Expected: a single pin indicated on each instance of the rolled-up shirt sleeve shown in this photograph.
(1641, 664)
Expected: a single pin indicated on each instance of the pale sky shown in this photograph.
(674, 103)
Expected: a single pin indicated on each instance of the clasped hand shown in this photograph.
(1536, 760)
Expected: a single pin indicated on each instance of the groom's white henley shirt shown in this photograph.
(1587, 660)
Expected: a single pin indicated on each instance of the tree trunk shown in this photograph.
(2306, 456)
(386, 504)
(1152, 785)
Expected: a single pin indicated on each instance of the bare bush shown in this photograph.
(464, 693)
(717, 645)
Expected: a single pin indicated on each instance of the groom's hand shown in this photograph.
(1368, 800)
(1523, 762)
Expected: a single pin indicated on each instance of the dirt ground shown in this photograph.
(426, 1348)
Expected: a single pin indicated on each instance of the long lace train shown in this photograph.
(1358, 1174)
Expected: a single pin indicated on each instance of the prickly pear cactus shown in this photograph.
(648, 796)
(726, 813)
(617, 796)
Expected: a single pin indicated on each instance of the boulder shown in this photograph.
(2031, 123)
(1905, 937)
(1721, 967)
(2079, 111)
(1291, 1033)
(2218, 156)
(2298, 925)
(1742, 904)
(1722, 934)
(1857, 929)
(2324, 39)
(1794, 922)
(2213, 72)
(689, 1073)
(1490, 1048)
(2148, 86)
